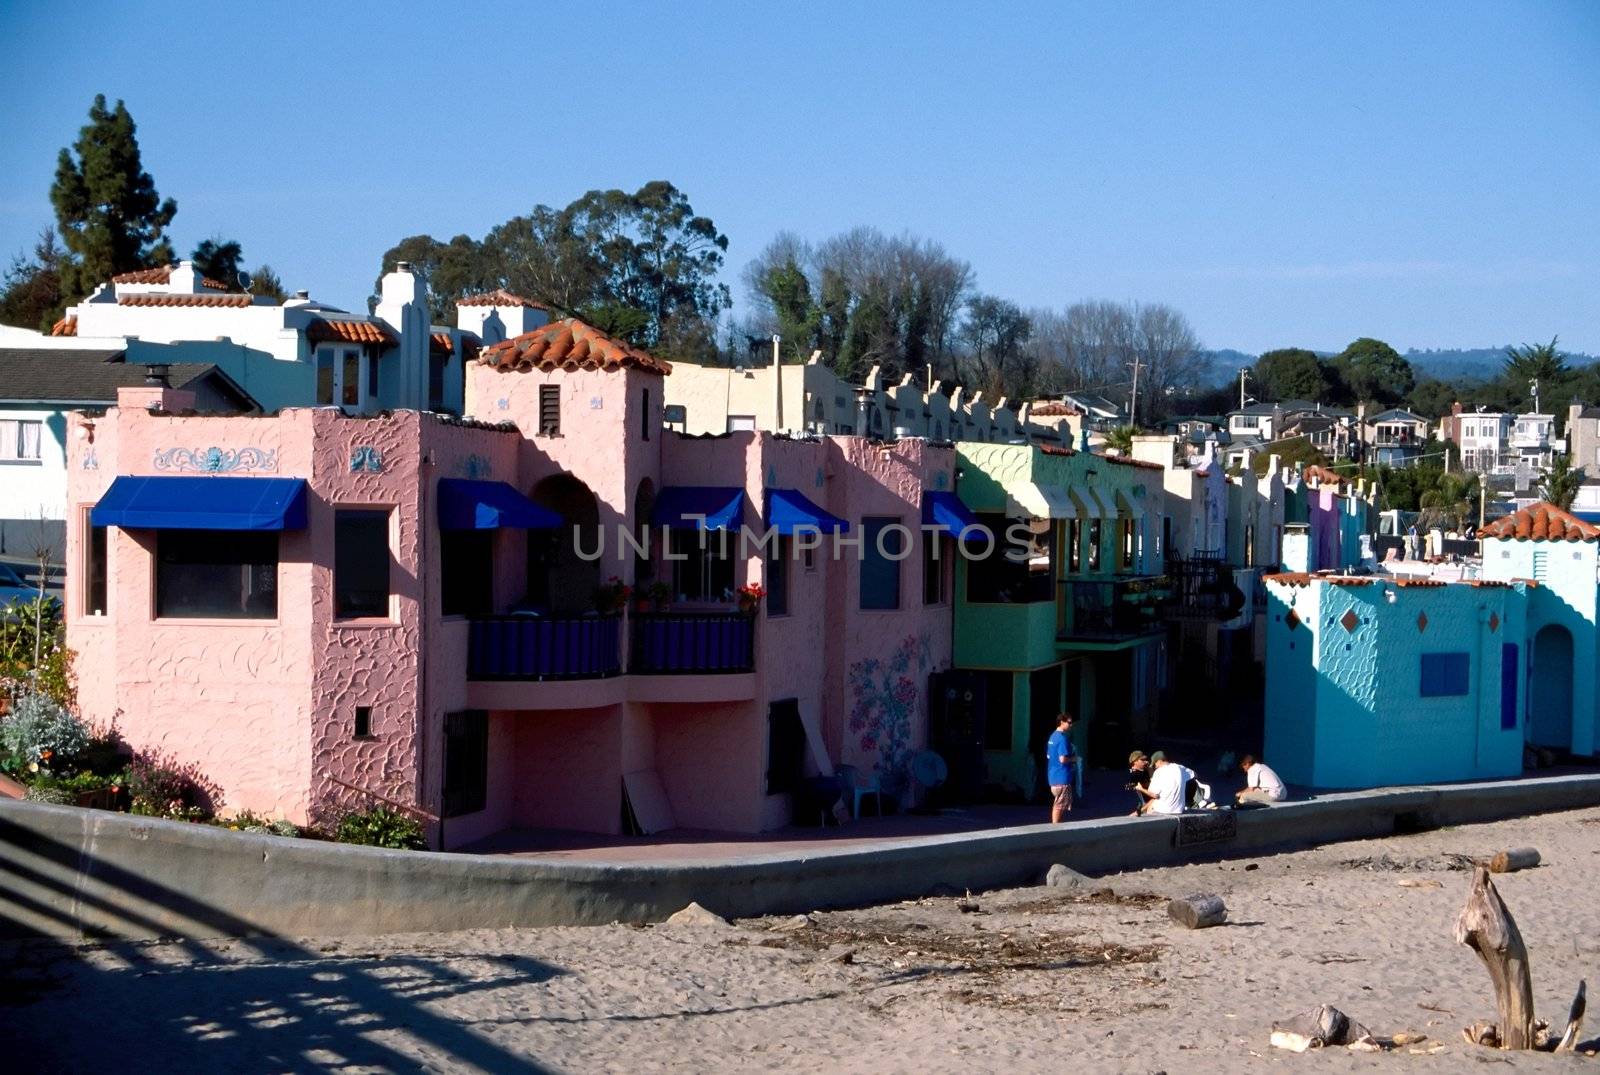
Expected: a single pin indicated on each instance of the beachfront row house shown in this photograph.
(1378, 680)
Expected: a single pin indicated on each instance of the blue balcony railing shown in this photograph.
(531, 647)
(669, 643)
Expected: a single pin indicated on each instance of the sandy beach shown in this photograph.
(1032, 979)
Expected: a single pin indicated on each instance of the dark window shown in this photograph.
(352, 378)
(217, 574)
(933, 561)
(997, 711)
(324, 376)
(550, 410)
(360, 563)
(94, 594)
(363, 729)
(883, 542)
(1094, 544)
(786, 747)
(372, 376)
(778, 561)
(1444, 674)
(466, 583)
(1074, 545)
(706, 571)
(1510, 671)
(644, 414)
(466, 762)
(1018, 568)
(1250, 546)
(436, 368)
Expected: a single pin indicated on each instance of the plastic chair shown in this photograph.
(849, 785)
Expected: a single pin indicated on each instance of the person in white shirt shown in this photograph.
(1169, 786)
(1261, 784)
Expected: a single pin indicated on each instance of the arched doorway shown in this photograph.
(559, 580)
(1550, 689)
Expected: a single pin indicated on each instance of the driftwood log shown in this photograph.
(1513, 859)
(1199, 911)
(1486, 927)
(1569, 1040)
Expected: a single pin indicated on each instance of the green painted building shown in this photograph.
(1062, 610)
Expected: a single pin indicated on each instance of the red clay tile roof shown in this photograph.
(569, 344)
(1127, 461)
(1056, 449)
(335, 330)
(1541, 522)
(440, 343)
(1301, 578)
(1051, 410)
(1418, 582)
(1323, 475)
(67, 326)
(500, 297)
(160, 299)
(161, 275)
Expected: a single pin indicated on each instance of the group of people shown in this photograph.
(1159, 784)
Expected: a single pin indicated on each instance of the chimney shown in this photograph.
(156, 375)
(777, 384)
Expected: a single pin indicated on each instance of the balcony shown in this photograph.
(679, 643)
(537, 648)
(1113, 610)
(1203, 589)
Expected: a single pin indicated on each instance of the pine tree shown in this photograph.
(110, 216)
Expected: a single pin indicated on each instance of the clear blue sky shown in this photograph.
(1286, 174)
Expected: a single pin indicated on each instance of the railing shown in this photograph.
(534, 647)
(672, 643)
(1114, 608)
(1203, 588)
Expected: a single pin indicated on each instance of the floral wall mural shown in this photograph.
(885, 699)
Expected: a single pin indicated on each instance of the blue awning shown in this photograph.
(699, 507)
(945, 510)
(203, 504)
(789, 512)
(487, 505)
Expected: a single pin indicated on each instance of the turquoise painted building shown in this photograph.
(1375, 681)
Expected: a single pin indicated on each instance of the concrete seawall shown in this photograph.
(71, 873)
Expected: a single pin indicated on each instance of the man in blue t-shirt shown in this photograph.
(1058, 762)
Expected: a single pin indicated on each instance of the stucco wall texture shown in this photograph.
(1347, 705)
(266, 708)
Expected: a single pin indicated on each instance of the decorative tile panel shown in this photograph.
(216, 460)
(365, 458)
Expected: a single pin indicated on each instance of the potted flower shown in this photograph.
(612, 597)
(749, 597)
(653, 597)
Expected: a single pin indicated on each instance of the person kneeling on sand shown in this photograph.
(1168, 788)
(1261, 784)
(1138, 779)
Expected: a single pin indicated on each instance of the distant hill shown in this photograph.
(1444, 364)
(1481, 363)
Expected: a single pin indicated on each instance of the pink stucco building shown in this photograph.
(315, 608)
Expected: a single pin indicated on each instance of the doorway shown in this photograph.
(1550, 689)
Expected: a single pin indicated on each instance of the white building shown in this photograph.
(304, 351)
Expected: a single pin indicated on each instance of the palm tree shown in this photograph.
(1120, 440)
(1540, 362)
(1561, 482)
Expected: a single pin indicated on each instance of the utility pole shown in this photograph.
(1244, 371)
(1133, 402)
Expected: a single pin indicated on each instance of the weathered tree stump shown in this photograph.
(1487, 928)
(1199, 911)
(1569, 1040)
(1513, 859)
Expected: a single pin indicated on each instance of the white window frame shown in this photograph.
(337, 353)
(22, 442)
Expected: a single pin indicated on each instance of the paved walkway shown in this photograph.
(1103, 797)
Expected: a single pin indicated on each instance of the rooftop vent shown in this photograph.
(155, 375)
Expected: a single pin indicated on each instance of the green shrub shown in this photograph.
(160, 786)
(20, 639)
(44, 793)
(41, 734)
(379, 826)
